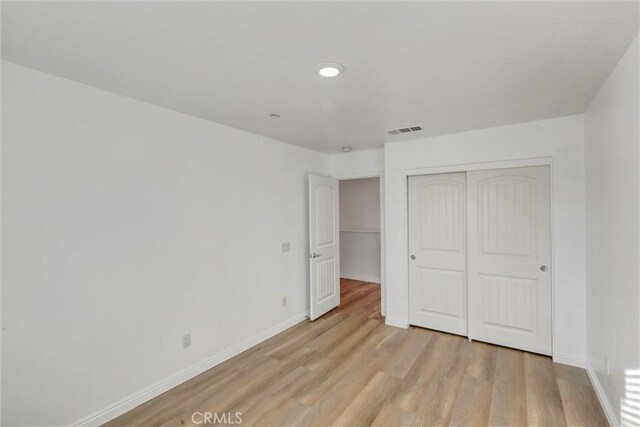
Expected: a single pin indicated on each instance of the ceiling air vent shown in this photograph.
(404, 130)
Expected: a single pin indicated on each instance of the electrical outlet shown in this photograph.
(186, 340)
(284, 301)
(286, 246)
(606, 364)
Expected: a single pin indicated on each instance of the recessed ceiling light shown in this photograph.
(330, 69)
(346, 149)
(274, 116)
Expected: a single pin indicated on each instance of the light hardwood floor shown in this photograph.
(347, 368)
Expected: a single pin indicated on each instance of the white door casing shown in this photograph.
(324, 245)
(437, 252)
(509, 254)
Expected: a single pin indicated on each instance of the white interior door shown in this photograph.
(509, 257)
(437, 252)
(324, 245)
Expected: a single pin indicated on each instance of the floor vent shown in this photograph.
(404, 130)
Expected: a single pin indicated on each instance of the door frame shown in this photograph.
(380, 175)
(492, 165)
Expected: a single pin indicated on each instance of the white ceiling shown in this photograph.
(449, 67)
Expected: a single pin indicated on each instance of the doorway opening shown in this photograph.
(360, 242)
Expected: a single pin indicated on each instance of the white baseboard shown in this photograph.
(361, 278)
(124, 405)
(602, 397)
(569, 359)
(398, 323)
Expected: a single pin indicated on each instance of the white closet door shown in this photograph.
(437, 248)
(509, 257)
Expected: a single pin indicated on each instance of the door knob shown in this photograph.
(543, 268)
(413, 257)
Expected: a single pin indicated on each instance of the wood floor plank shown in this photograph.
(407, 353)
(509, 399)
(472, 409)
(288, 413)
(581, 406)
(437, 407)
(309, 334)
(571, 374)
(365, 407)
(433, 359)
(336, 400)
(544, 404)
(343, 346)
(276, 403)
(340, 331)
(349, 368)
(392, 415)
(363, 361)
(279, 390)
(482, 362)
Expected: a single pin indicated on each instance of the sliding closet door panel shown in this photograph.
(509, 257)
(437, 248)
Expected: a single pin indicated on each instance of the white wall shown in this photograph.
(360, 256)
(126, 225)
(559, 139)
(360, 204)
(612, 161)
(357, 164)
(360, 229)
